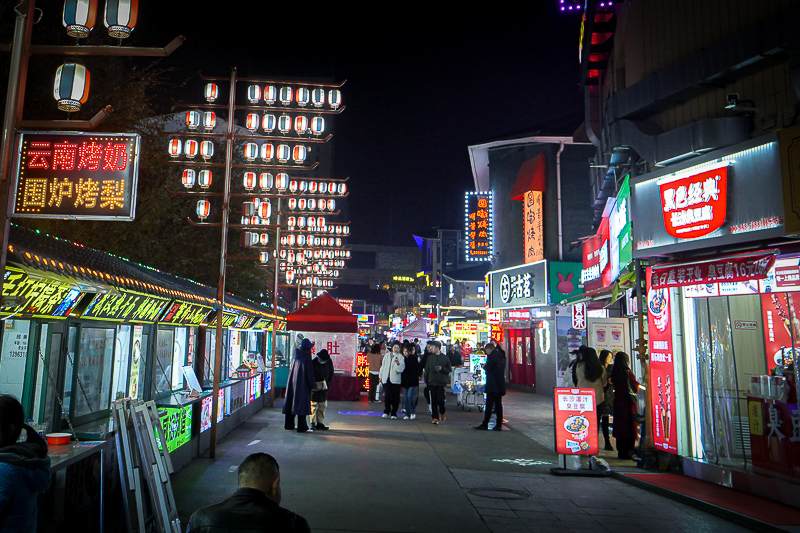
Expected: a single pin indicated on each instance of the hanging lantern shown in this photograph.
(301, 222)
(335, 98)
(175, 146)
(318, 97)
(317, 125)
(346, 230)
(206, 149)
(192, 119)
(265, 209)
(282, 181)
(301, 124)
(190, 148)
(290, 277)
(301, 240)
(290, 240)
(284, 153)
(338, 229)
(267, 151)
(263, 257)
(270, 94)
(299, 154)
(268, 123)
(252, 121)
(120, 17)
(291, 222)
(203, 209)
(249, 239)
(321, 222)
(265, 180)
(313, 187)
(293, 186)
(341, 188)
(285, 95)
(78, 17)
(204, 179)
(209, 120)
(248, 210)
(332, 188)
(302, 203)
(312, 204)
(292, 203)
(263, 239)
(249, 180)
(71, 87)
(323, 187)
(303, 187)
(303, 96)
(284, 124)
(189, 177)
(250, 151)
(254, 93)
(212, 91)
(331, 205)
(322, 205)
(311, 222)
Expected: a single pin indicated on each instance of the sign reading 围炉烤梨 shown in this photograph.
(81, 176)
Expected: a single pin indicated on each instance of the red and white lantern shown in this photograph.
(317, 125)
(193, 119)
(292, 203)
(254, 94)
(318, 97)
(285, 95)
(264, 209)
(334, 98)
(269, 122)
(203, 209)
(282, 181)
(341, 188)
(204, 179)
(265, 180)
(313, 187)
(303, 96)
(270, 94)
(209, 120)
(212, 91)
(174, 148)
(299, 154)
(253, 120)
(190, 148)
(249, 181)
(284, 153)
(267, 151)
(189, 178)
(250, 151)
(284, 124)
(301, 124)
(207, 149)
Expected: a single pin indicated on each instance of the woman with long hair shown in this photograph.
(24, 468)
(608, 398)
(591, 374)
(374, 360)
(625, 427)
(409, 379)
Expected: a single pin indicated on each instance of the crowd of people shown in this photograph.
(615, 388)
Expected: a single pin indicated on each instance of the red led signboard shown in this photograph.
(76, 176)
(696, 205)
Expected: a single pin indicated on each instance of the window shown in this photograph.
(162, 369)
(93, 371)
(14, 357)
(122, 351)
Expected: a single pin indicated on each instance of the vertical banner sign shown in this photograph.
(781, 316)
(362, 371)
(136, 361)
(662, 373)
(579, 316)
(478, 223)
(78, 176)
(533, 234)
(576, 421)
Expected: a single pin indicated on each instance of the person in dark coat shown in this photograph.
(409, 379)
(298, 388)
(625, 426)
(494, 369)
(255, 506)
(323, 373)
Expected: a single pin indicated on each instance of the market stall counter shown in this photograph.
(343, 387)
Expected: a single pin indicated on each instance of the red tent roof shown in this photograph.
(531, 177)
(323, 313)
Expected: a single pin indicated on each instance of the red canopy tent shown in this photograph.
(323, 313)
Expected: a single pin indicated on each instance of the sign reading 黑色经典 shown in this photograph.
(78, 176)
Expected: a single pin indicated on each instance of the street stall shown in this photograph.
(416, 330)
(334, 328)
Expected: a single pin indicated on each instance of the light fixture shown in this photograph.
(734, 104)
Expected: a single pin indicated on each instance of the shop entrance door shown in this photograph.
(521, 359)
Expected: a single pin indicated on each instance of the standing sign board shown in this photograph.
(79, 176)
(576, 421)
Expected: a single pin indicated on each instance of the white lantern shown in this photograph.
(301, 240)
(249, 239)
(248, 209)
(301, 124)
(120, 17)
(78, 17)
(270, 94)
(301, 222)
(284, 124)
(313, 187)
(303, 96)
(303, 187)
(334, 98)
(250, 151)
(212, 91)
(282, 181)
(341, 188)
(175, 147)
(284, 153)
(253, 120)
(263, 257)
(264, 239)
(267, 151)
(190, 148)
(346, 230)
(290, 240)
(291, 222)
(189, 178)
(331, 205)
(265, 180)
(207, 149)
(311, 222)
(302, 203)
(209, 120)
(193, 119)
(254, 93)
(249, 180)
(293, 186)
(323, 187)
(71, 87)
(204, 179)
(265, 209)
(292, 203)
(203, 209)
(312, 204)
(299, 154)
(268, 123)
(321, 222)
(318, 97)
(317, 125)
(285, 95)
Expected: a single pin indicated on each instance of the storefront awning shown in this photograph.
(726, 269)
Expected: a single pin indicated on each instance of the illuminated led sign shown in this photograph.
(127, 306)
(184, 313)
(366, 319)
(177, 426)
(533, 231)
(76, 176)
(478, 223)
(518, 287)
(695, 205)
(40, 297)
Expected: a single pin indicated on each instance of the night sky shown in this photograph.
(422, 85)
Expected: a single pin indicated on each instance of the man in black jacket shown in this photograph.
(495, 369)
(255, 506)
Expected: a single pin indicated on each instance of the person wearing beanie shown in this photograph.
(323, 374)
(298, 388)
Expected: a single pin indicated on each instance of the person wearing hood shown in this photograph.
(298, 388)
(323, 374)
(24, 469)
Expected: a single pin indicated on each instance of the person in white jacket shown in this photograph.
(392, 367)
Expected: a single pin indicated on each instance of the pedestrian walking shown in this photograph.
(391, 370)
(298, 389)
(323, 374)
(625, 405)
(409, 379)
(374, 360)
(437, 377)
(426, 392)
(494, 370)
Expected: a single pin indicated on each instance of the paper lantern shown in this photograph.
(254, 93)
(204, 179)
(265, 180)
(331, 205)
(212, 91)
(291, 222)
(265, 209)
(313, 187)
(312, 203)
(323, 187)
(302, 203)
(318, 97)
(250, 151)
(270, 94)
(290, 241)
(334, 98)
(193, 119)
(263, 239)
(346, 230)
(249, 239)
(209, 120)
(120, 17)
(284, 153)
(303, 96)
(301, 222)
(284, 124)
(321, 222)
(282, 181)
(71, 87)
(203, 209)
(317, 125)
(189, 178)
(341, 188)
(285, 95)
(311, 222)
(79, 17)
(175, 147)
(303, 187)
(252, 121)
(190, 148)
(299, 154)
(263, 257)
(268, 123)
(248, 210)
(301, 240)
(249, 180)
(267, 151)
(301, 124)
(292, 203)
(293, 186)
(207, 149)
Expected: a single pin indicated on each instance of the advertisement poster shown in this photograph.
(576, 421)
(136, 359)
(608, 336)
(342, 347)
(662, 391)
(781, 315)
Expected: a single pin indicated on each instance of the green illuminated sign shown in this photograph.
(126, 306)
(184, 313)
(177, 426)
(51, 297)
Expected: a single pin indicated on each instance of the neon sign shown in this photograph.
(696, 205)
(76, 176)
(478, 223)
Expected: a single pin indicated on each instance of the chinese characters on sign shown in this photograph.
(694, 206)
(576, 420)
(731, 269)
(533, 230)
(77, 176)
(517, 287)
(478, 226)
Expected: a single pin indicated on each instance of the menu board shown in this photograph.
(177, 426)
(576, 421)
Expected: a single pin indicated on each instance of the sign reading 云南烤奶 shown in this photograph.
(81, 176)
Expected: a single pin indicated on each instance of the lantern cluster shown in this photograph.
(190, 149)
(119, 17)
(285, 124)
(282, 153)
(301, 97)
(256, 212)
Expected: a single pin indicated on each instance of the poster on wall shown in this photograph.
(609, 336)
(662, 368)
(781, 323)
(576, 421)
(342, 347)
(136, 358)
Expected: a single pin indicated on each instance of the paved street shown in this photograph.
(370, 474)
